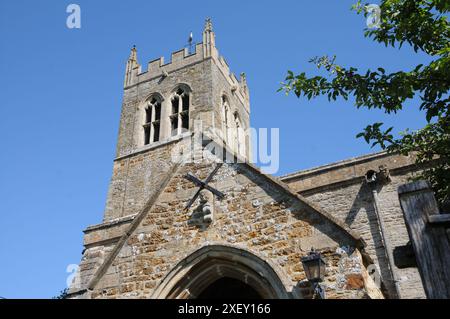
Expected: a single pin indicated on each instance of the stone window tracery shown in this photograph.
(152, 123)
(179, 118)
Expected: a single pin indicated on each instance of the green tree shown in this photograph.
(424, 27)
(62, 294)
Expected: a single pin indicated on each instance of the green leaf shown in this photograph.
(424, 26)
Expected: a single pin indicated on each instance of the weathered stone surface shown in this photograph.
(340, 189)
(150, 246)
(273, 231)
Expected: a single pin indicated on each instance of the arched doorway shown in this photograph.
(227, 288)
(235, 272)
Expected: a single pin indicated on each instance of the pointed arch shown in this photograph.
(151, 118)
(191, 276)
(225, 106)
(180, 101)
(239, 135)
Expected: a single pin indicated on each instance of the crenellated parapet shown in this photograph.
(238, 86)
(178, 59)
(159, 68)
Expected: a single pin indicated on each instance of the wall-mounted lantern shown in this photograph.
(315, 266)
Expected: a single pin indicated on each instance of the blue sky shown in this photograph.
(61, 93)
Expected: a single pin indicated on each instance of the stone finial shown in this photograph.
(243, 81)
(133, 67)
(208, 39)
(133, 54)
(208, 24)
(243, 78)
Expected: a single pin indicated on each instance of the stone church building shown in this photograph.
(208, 227)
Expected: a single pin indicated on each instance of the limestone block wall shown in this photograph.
(256, 216)
(138, 166)
(341, 190)
(207, 75)
(223, 84)
(197, 77)
(134, 179)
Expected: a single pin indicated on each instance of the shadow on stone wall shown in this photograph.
(364, 202)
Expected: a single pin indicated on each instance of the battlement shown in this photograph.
(178, 59)
(236, 83)
(203, 51)
(183, 58)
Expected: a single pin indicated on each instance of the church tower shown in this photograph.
(159, 108)
(206, 228)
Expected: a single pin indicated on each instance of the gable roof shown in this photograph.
(275, 181)
(359, 242)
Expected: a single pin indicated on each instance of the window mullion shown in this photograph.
(180, 109)
(152, 133)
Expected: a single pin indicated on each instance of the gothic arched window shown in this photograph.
(152, 121)
(225, 118)
(239, 136)
(179, 119)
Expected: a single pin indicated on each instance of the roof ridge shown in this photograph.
(340, 163)
(355, 235)
(240, 160)
(161, 187)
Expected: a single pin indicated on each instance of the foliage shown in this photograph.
(62, 294)
(424, 27)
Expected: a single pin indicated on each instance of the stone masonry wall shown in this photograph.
(221, 85)
(196, 76)
(133, 180)
(350, 199)
(255, 215)
(134, 176)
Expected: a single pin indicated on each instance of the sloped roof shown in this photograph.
(240, 163)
